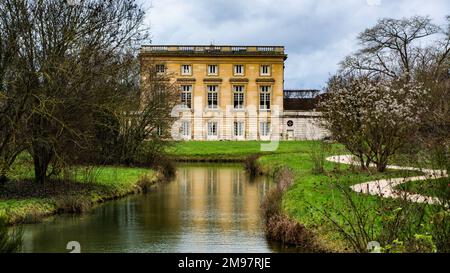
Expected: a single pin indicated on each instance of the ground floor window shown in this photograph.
(238, 128)
(212, 128)
(264, 128)
(185, 128)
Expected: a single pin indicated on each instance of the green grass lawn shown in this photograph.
(235, 150)
(24, 201)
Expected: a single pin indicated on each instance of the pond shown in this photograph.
(206, 208)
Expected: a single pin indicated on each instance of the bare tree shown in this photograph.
(394, 48)
(69, 56)
(141, 124)
(13, 94)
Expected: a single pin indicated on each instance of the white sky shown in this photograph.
(317, 34)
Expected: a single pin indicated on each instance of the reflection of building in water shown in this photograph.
(212, 181)
(238, 181)
(222, 197)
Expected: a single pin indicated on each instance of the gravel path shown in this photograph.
(386, 187)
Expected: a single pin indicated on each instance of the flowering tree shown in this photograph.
(372, 118)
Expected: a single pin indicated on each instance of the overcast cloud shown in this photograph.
(317, 34)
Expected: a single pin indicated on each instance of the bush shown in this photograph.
(251, 165)
(279, 227)
(289, 232)
(73, 204)
(145, 182)
(318, 152)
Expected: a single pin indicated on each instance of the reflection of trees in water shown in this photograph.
(203, 200)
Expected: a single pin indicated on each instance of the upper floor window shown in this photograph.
(186, 96)
(186, 69)
(238, 70)
(212, 96)
(213, 69)
(264, 97)
(160, 68)
(265, 70)
(238, 96)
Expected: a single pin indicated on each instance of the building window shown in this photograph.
(160, 68)
(264, 128)
(213, 69)
(212, 128)
(238, 96)
(265, 70)
(239, 70)
(212, 96)
(238, 128)
(186, 69)
(264, 97)
(186, 96)
(185, 129)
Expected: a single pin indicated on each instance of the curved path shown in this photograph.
(386, 187)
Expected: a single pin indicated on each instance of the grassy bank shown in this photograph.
(23, 200)
(313, 193)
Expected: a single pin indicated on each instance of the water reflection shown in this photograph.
(207, 208)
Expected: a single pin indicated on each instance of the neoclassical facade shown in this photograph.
(226, 92)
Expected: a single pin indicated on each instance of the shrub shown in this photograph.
(145, 182)
(73, 204)
(251, 165)
(289, 232)
(318, 152)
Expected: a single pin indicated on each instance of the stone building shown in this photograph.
(229, 92)
(300, 118)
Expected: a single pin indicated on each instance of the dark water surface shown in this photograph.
(206, 208)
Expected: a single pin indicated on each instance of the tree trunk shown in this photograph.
(382, 161)
(381, 167)
(42, 156)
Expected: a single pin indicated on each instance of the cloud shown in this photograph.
(317, 34)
